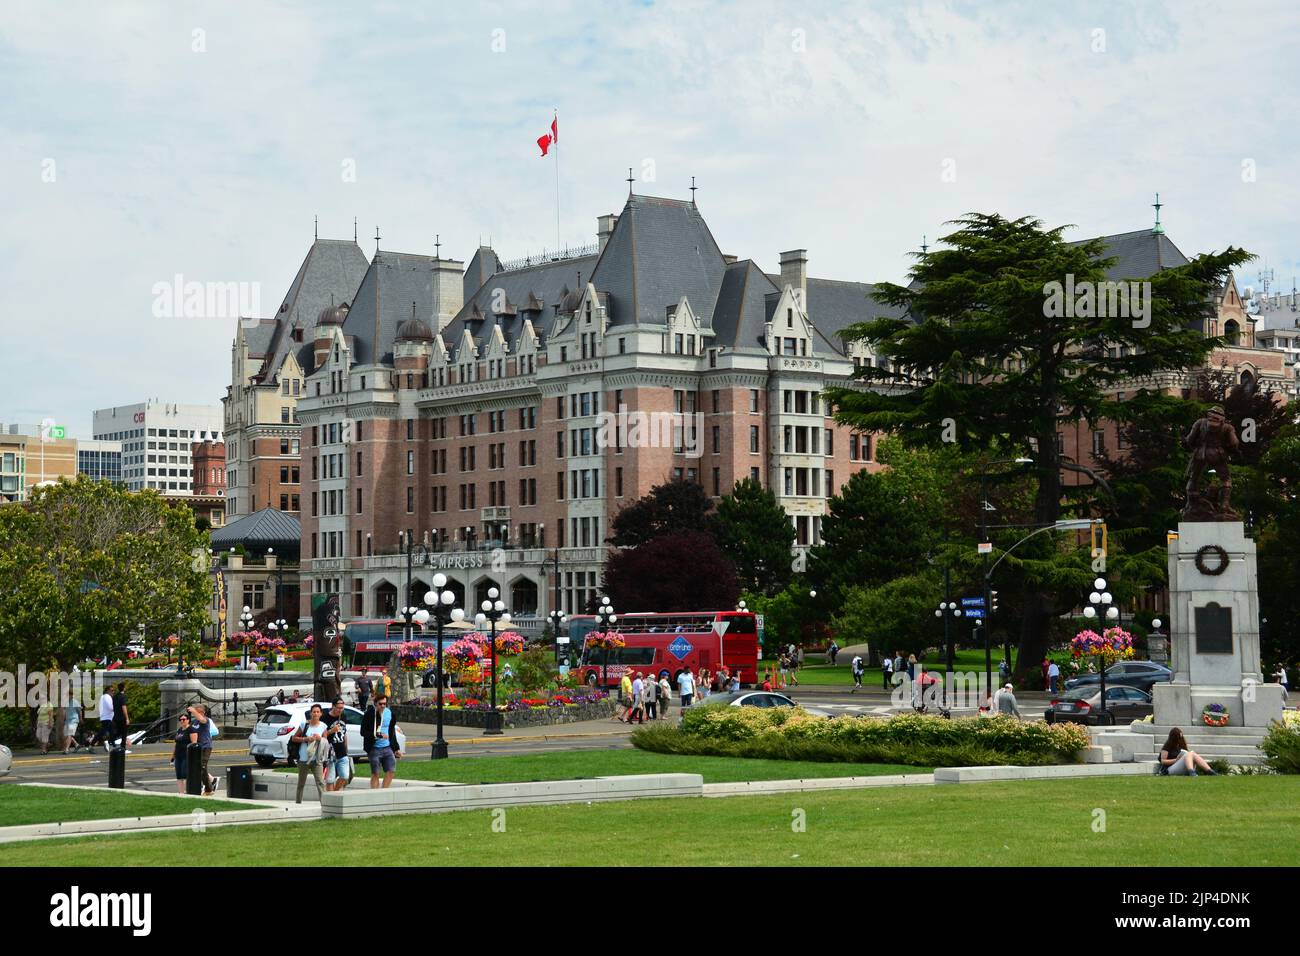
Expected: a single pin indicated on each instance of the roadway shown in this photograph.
(147, 766)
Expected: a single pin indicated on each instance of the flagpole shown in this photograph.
(557, 182)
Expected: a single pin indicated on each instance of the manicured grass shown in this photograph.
(1149, 821)
(841, 674)
(567, 765)
(20, 805)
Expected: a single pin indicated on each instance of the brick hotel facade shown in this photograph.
(463, 405)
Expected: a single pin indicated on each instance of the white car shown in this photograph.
(269, 741)
(6, 759)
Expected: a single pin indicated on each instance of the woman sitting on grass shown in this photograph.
(1178, 761)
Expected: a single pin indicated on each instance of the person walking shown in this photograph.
(665, 694)
(201, 734)
(44, 725)
(734, 685)
(339, 769)
(886, 669)
(702, 683)
(364, 688)
(121, 715)
(855, 668)
(833, 651)
(180, 752)
(650, 690)
(314, 751)
(105, 732)
(379, 738)
(1053, 676)
(625, 698)
(686, 687)
(794, 667)
(71, 721)
(911, 667)
(900, 662)
(638, 700)
(1006, 702)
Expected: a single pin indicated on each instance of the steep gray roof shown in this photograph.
(548, 282)
(383, 302)
(259, 336)
(1140, 254)
(482, 267)
(741, 312)
(268, 528)
(329, 275)
(833, 306)
(660, 250)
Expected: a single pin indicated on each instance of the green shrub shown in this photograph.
(902, 734)
(796, 744)
(143, 701)
(1281, 748)
(16, 726)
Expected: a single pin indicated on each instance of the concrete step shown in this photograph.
(1214, 750)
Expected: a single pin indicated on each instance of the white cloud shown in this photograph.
(824, 128)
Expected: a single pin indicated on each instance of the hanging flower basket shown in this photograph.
(417, 656)
(1113, 644)
(1215, 715)
(605, 641)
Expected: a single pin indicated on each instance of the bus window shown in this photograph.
(637, 656)
(742, 624)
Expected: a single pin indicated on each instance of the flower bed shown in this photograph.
(524, 712)
(794, 734)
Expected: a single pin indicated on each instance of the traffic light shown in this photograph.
(993, 605)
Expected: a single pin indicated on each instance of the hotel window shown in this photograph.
(753, 439)
(410, 429)
(717, 481)
(358, 501)
(717, 440)
(753, 400)
(789, 481)
(284, 414)
(1098, 443)
(284, 446)
(830, 483)
(754, 475)
(618, 482)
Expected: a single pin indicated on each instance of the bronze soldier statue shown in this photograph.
(1212, 441)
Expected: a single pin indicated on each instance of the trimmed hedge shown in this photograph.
(911, 739)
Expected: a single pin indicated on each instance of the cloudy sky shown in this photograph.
(140, 141)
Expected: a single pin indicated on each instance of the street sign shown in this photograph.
(561, 640)
(721, 627)
(985, 547)
(972, 602)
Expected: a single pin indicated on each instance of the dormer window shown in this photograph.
(789, 318)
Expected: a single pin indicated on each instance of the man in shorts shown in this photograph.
(379, 736)
(340, 770)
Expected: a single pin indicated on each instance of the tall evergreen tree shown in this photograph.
(756, 534)
(989, 356)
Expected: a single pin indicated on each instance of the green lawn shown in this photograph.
(1149, 821)
(568, 765)
(21, 805)
(971, 659)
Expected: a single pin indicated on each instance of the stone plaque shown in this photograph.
(1213, 629)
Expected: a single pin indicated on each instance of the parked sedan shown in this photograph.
(1140, 674)
(6, 760)
(758, 698)
(269, 741)
(1082, 705)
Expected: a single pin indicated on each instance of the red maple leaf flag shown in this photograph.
(547, 140)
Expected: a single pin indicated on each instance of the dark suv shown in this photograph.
(1139, 674)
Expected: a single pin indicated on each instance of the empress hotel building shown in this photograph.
(498, 416)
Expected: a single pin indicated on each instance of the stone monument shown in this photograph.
(1213, 600)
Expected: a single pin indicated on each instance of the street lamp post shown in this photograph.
(493, 610)
(1101, 605)
(278, 628)
(605, 616)
(557, 618)
(986, 617)
(245, 623)
(443, 613)
(948, 610)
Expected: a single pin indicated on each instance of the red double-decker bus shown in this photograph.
(670, 642)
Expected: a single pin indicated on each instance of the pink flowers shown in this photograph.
(1111, 645)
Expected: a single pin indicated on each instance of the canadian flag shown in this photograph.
(547, 140)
